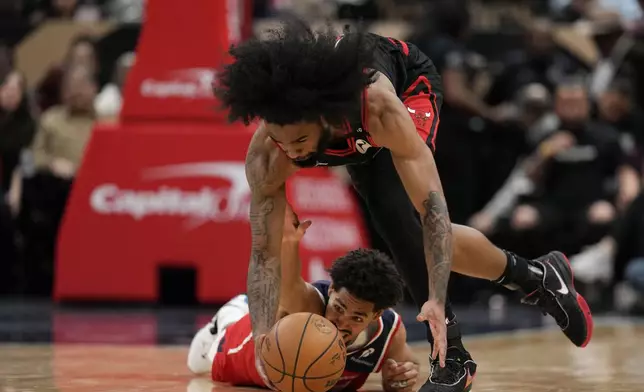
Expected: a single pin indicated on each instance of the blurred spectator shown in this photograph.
(460, 68)
(64, 130)
(77, 10)
(109, 100)
(17, 129)
(537, 120)
(613, 45)
(575, 178)
(618, 256)
(595, 263)
(615, 108)
(82, 52)
(464, 111)
(57, 150)
(539, 61)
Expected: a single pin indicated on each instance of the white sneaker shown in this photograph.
(200, 355)
(595, 263)
(198, 361)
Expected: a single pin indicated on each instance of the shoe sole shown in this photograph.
(581, 301)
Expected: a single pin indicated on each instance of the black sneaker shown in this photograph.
(459, 371)
(557, 297)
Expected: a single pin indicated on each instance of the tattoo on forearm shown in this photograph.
(437, 238)
(264, 274)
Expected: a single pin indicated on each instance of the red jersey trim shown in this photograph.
(403, 44)
(385, 351)
(381, 327)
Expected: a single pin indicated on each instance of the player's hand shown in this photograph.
(259, 364)
(399, 376)
(434, 313)
(294, 230)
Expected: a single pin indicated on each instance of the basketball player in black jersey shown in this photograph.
(372, 103)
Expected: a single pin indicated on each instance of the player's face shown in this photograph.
(349, 314)
(299, 141)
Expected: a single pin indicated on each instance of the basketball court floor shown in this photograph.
(79, 351)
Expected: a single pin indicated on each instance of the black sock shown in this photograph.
(520, 273)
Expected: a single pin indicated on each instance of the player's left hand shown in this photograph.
(399, 376)
(434, 313)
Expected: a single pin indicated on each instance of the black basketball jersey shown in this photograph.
(355, 146)
(369, 357)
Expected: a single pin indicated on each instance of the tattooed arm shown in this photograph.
(393, 128)
(266, 176)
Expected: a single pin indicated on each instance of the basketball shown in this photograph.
(303, 352)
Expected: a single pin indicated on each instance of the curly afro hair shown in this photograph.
(369, 275)
(296, 75)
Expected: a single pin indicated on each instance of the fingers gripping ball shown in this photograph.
(303, 352)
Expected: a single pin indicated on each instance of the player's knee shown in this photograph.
(525, 217)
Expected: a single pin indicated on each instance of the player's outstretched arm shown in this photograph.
(393, 128)
(400, 368)
(297, 295)
(267, 206)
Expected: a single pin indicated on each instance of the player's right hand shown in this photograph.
(434, 313)
(294, 230)
(259, 364)
(399, 376)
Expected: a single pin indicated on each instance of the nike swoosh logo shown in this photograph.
(564, 289)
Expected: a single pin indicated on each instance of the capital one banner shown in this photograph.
(181, 46)
(177, 195)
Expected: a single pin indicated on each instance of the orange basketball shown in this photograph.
(304, 352)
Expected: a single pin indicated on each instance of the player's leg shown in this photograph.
(547, 280)
(204, 345)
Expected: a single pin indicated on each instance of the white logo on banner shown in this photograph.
(220, 204)
(191, 83)
(226, 203)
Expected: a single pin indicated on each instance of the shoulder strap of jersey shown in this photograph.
(322, 287)
(392, 321)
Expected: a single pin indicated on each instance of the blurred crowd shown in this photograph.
(540, 146)
(541, 143)
(43, 133)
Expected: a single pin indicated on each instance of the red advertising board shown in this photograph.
(149, 195)
(166, 186)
